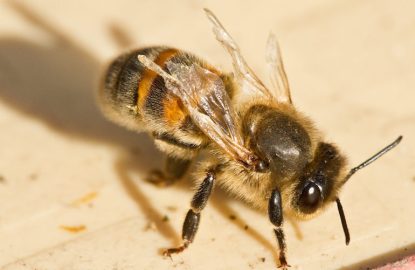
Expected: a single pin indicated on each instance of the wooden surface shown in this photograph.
(72, 194)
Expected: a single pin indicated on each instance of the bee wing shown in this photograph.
(203, 94)
(279, 78)
(243, 72)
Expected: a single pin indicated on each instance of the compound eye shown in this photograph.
(310, 196)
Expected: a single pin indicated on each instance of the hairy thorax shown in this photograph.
(284, 139)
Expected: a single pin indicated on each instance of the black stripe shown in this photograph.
(172, 140)
(158, 91)
(129, 76)
(154, 100)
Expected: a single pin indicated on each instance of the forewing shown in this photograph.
(203, 94)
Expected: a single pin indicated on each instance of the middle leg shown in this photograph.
(192, 220)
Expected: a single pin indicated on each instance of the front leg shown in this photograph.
(276, 217)
(191, 222)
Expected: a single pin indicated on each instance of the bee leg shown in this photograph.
(174, 170)
(276, 217)
(191, 222)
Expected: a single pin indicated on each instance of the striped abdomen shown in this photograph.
(137, 97)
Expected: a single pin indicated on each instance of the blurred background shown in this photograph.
(72, 194)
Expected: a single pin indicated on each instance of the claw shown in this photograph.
(283, 264)
(170, 251)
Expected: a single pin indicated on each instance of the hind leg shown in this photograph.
(174, 170)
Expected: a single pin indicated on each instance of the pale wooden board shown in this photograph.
(350, 64)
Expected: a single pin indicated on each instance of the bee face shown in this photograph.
(319, 181)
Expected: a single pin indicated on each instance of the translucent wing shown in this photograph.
(278, 76)
(203, 94)
(243, 72)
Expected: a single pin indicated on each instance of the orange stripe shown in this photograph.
(173, 108)
(174, 112)
(148, 76)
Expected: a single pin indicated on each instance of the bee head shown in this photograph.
(323, 177)
(319, 182)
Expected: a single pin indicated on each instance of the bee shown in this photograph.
(258, 146)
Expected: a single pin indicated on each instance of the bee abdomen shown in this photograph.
(132, 92)
(119, 95)
(137, 97)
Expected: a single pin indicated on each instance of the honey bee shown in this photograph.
(259, 147)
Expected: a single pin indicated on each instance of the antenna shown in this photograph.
(343, 220)
(351, 172)
(373, 158)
